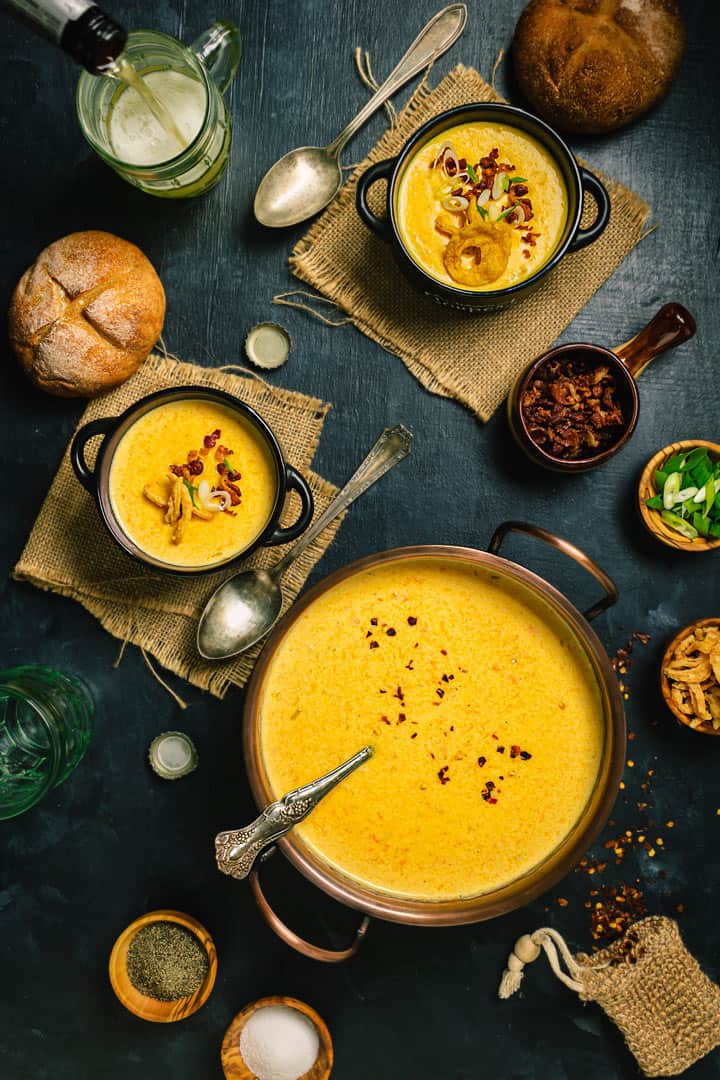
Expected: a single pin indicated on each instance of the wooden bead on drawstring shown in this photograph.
(525, 950)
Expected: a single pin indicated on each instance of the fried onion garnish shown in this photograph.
(693, 672)
(477, 254)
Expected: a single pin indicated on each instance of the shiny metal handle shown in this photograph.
(576, 553)
(283, 931)
(392, 446)
(433, 40)
(237, 849)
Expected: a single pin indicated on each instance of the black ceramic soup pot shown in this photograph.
(577, 181)
(112, 428)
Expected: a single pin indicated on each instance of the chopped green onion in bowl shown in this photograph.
(687, 494)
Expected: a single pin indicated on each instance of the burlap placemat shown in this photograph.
(474, 359)
(70, 552)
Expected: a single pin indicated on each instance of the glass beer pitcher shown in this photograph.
(157, 116)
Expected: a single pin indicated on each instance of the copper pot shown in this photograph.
(671, 326)
(473, 909)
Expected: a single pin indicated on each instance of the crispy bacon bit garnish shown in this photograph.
(210, 440)
(195, 467)
(571, 408)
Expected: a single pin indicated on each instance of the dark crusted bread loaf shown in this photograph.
(590, 66)
(85, 315)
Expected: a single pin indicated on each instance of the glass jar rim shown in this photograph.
(111, 159)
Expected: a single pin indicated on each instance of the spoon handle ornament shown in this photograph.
(237, 849)
(392, 446)
(434, 39)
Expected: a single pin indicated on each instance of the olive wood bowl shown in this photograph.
(704, 728)
(646, 489)
(147, 1008)
(232, 1062)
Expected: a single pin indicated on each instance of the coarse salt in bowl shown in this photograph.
(278, 1042)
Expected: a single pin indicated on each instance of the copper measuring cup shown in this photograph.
(671, 326)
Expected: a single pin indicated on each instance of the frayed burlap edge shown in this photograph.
(125, 610)
(354, 301)
(121, 621)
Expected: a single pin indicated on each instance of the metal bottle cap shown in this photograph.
(268, 345)
(172, 755)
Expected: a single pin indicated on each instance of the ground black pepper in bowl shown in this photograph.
(166, 962)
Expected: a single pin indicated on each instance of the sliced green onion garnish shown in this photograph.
(670, 489)
(472, 174)
(192, 491)
(518, 180)
(676, 522)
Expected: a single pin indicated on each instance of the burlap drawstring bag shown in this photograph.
(648, 984)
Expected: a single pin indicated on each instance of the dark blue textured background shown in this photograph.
(115, 841)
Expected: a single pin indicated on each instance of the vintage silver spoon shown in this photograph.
(247, 605)
(305, 180)
(237, 849)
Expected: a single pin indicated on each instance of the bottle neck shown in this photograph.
(80, 27)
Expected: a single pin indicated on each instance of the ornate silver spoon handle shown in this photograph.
(392, 446)
(434, 39)
(237, 849)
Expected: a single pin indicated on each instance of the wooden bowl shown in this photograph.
(232, 1062)
(704, 728)
(147, 1008)
(651, 518)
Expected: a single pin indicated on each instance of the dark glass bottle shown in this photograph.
(81, 28)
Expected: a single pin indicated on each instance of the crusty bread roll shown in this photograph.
(590, 66)
(85, 315)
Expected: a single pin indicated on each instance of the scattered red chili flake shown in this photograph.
(373, 622)
(401, 718)
(385, 719)
(409, 666)
(443, 775)
(374, 645)
(525, 755)
(617, 910)
(412, 621)
(391, 632)
(440, 692)
(482, 761)
(414, 735)
(500, 749)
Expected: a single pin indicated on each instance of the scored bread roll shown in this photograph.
(591, 66)
(86, 314)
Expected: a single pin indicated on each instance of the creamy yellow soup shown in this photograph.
(484, 715)
(165, 436)
(468, 247)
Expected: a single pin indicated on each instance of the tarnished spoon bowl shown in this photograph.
(305, 180)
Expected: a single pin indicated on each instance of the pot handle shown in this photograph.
(672, 325)
(583, 237)
(314, 952)
(84, 473)
(295, 482)
(381, 170)
(567, 548)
